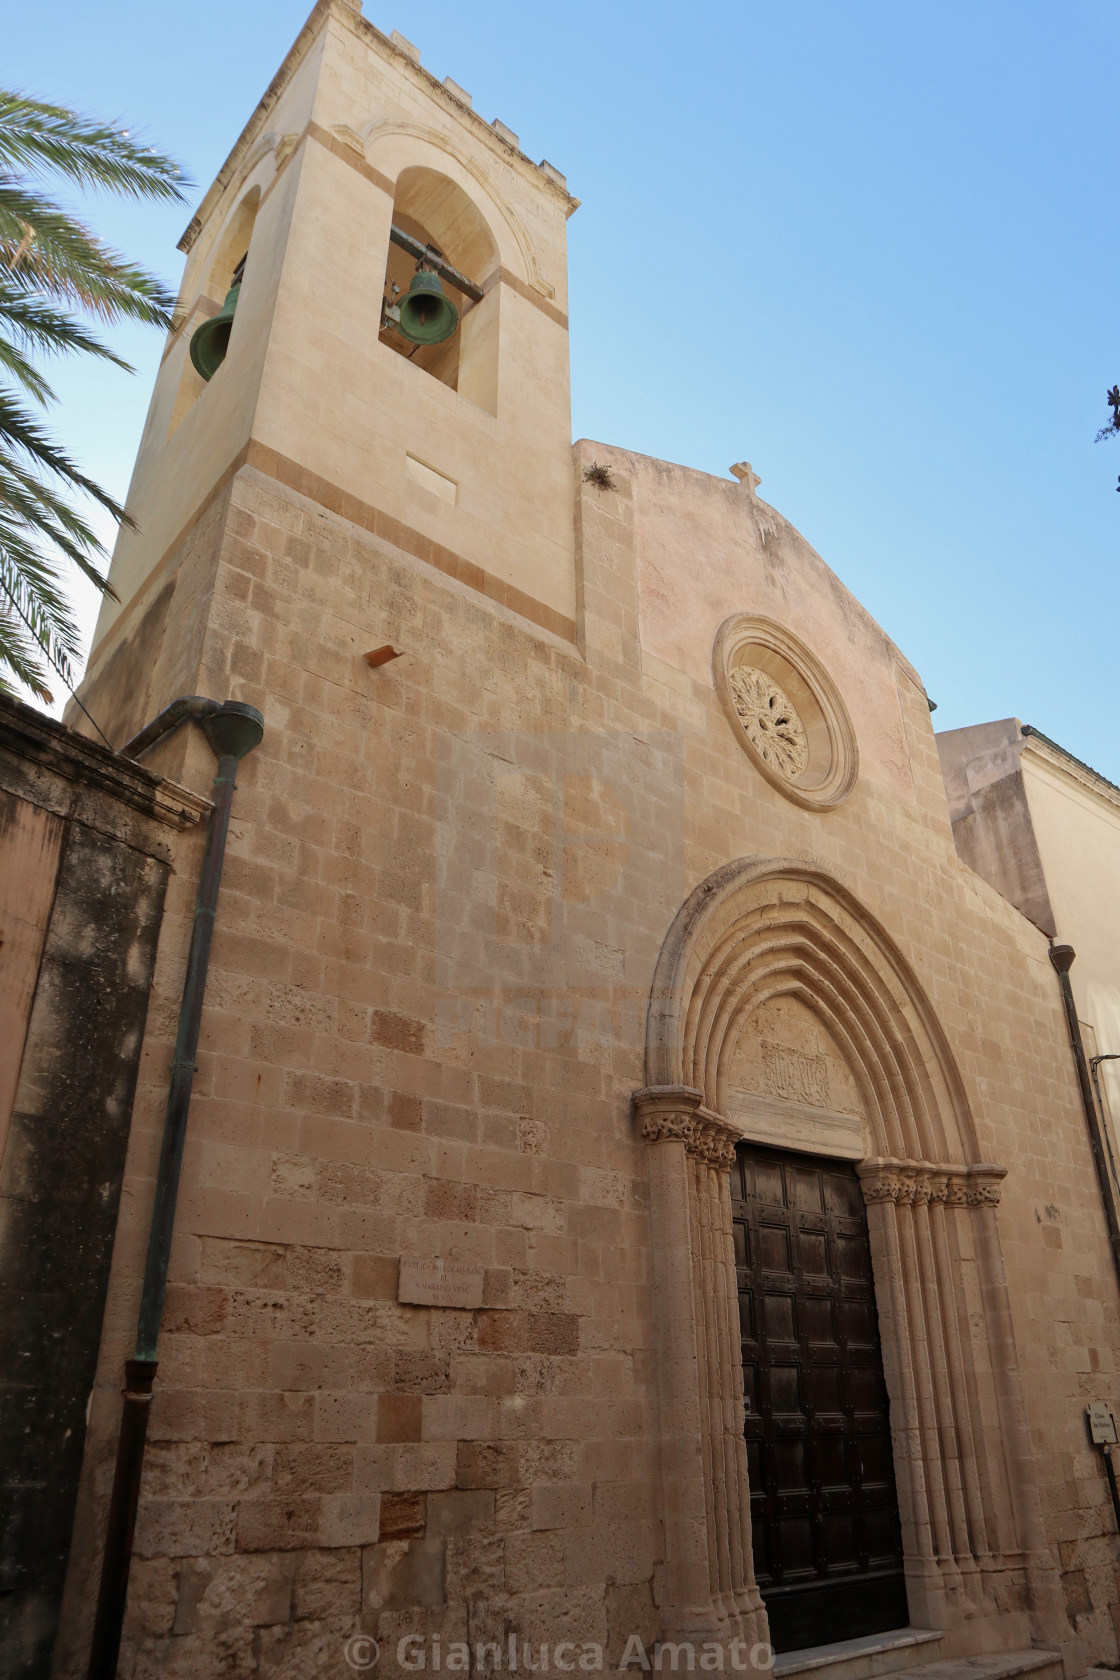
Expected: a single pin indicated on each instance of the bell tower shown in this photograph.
(372, 324)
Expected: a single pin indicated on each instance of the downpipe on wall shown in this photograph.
(1094, 1064)
(1062, 957)
(232, 730)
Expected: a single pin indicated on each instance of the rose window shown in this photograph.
(770, 720)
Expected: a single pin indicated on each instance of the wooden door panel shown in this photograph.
(827, 1545)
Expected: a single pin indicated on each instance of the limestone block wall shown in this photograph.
(447, 884)
(308, 192)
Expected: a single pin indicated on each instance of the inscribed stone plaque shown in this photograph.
(439, 1283)
(1102, 1424)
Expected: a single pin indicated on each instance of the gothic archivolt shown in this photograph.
(756, 930)
(760, 930)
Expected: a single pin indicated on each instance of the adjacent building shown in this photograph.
(1044, 829)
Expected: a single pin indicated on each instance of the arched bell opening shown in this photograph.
(771, 975)
(427, 318)
(208, 325)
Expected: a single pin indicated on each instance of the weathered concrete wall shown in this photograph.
(85, 850)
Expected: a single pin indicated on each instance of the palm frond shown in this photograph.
(52, 264)
(44, 249)
(36, 596)
(18, 651)
(41, 516)
(19, 431)
(40, 326)
(34, 625)
(49, 518)
(16, 365)
(38, 136)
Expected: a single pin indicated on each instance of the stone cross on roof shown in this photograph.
(746, 475)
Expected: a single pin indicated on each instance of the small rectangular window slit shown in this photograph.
(439, 485)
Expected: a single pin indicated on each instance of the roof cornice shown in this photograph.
(349, 13)
(1042, 747)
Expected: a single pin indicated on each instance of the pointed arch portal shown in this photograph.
(758, 937)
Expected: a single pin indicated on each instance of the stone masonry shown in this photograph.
(453, 897)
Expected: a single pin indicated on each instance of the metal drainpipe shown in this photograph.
(1094, 1064)
(187, 706)
(232, 730)
(1062, 957)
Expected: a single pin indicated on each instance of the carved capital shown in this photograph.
(885, 1180)
(656, 1128)
(882, 1187)
(714, 1139)
(665, 1112)
(938, 1187)
(677, 1112)
(977, 1186)
(918, 1183)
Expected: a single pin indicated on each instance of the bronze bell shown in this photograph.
(426, 315)
(210, 341)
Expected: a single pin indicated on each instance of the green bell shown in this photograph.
(210, 341)
(427, 317)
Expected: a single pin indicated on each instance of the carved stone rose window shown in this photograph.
(770, 719)
(786, 711)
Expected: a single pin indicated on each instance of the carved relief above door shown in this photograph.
(787, 1082)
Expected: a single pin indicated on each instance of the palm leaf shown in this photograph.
(19, 652)
(41, 516)
(16, 365)
(20, 432)
(52, 264)
(32, 590)
(40, 326)
(37, 136)
(44, 249)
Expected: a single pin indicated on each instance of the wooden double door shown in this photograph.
(824, 1512)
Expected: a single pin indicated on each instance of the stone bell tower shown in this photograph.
(355, 163)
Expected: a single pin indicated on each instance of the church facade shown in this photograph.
(636, 1183)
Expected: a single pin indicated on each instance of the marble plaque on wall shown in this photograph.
(439, 1283)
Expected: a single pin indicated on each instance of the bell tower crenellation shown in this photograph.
(456, 451)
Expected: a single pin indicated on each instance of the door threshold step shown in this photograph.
(996, 1665)
(915, 1653)
(873, 1653)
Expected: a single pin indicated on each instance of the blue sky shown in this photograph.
(868, 245)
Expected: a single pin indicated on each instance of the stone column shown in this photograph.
(949, 1453)
(925, 1590)
(710, 1591)
(666, 1118)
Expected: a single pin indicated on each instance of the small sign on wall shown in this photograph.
(1102, 1424)
(440, 1283)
